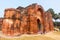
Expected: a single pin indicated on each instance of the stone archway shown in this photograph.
(39, 24)
(40, 19)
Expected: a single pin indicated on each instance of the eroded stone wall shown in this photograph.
(29, 20)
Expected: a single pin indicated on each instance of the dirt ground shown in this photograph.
(48, 36)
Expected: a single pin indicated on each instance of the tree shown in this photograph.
(52, 12)
(56, 17)
(59, 15)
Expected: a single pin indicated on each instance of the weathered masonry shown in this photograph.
(29, 20)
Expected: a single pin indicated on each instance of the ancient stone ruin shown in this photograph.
(29, 20)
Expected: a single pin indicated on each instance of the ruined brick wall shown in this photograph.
(29, 20)
(9, 13)
(48, 22)
(36, 13)
(11, 22)
(1, 20)
(51, 26)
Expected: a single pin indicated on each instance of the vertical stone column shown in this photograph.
(33, 24)
(16, 27)
(46, 22)
(24, 27)
(17, 22)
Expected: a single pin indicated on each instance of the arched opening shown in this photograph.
(38, 24)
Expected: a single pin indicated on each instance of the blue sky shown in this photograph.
(55, 4)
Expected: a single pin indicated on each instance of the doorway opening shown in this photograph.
(38, 24)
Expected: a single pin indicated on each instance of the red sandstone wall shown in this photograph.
(1, 20)
(51, 26)
(9, 13)
(46, 22)
(21, 21)
(11, 23)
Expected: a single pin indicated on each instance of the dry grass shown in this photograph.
(48, 36)
(29, 38)
(57, 33)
